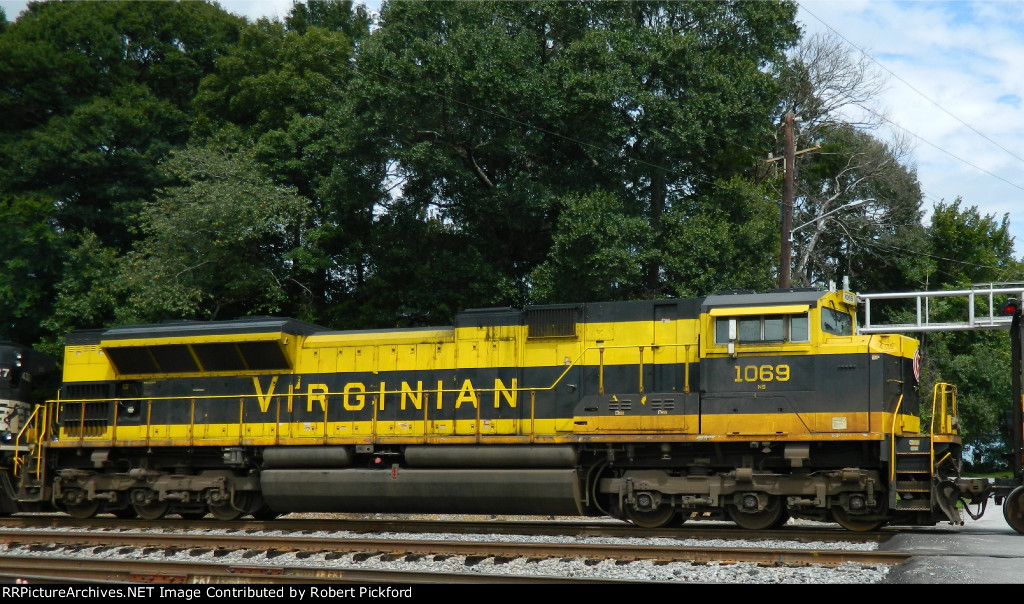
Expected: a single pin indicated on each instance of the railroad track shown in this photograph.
(66, 570)
(332, 547)
(498, 526)
(346, 550)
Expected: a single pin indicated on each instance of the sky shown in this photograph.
(955, 88)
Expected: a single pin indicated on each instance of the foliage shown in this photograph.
(216, 245)
(742, 222)
(599, 251)
(495, 113)
(88, 292)
(859, 242)
(284, 93)
(94, 95)
(968, 248)
(30, 253)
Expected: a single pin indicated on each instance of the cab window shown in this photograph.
(836, 323)
(767, 329)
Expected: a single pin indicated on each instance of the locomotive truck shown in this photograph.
(749, 407)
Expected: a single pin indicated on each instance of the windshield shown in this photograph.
(835, 322)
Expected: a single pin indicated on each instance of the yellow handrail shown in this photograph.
(37, 417)
(892, 440)
(940, 393)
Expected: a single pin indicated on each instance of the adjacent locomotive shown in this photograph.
(23, 374)
(751, 407)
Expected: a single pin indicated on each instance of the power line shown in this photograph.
(924, 96)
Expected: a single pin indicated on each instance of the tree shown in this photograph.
(599, 252)
(495, 113)
(283, 92)
(970, 248)
(333, 15)
(833, 90)
(741, 220)
(30, 253)
(94, 94)
(217, 245)
(828, 84)
(854, 166)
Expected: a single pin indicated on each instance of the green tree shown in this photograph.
(493, 112)
(880, 245)
(598, 252)
(833, 90)
(30, 253)
(217, 245)
(93, 96)
(727, 239)
(970, 248)
(89, 291)
(342, 16)
(282, 91)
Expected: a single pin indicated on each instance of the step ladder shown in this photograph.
(912, 484)
(918, 483)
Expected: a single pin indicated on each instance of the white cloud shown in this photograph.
(959, 58)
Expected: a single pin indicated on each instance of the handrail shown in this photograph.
(892, 439)
(940, 392)
(29, 423)
(478, 392)
(553, 385)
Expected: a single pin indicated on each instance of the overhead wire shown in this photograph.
(927, 98)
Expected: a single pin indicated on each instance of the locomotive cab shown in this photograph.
(791, 363)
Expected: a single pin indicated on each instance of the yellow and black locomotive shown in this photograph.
(750, 407)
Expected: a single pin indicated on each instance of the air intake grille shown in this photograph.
(552, 322)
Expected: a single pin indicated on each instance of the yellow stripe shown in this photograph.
(758, 310)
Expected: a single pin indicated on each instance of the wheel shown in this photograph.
(772, 516)
(1013, 509)
(860, 524)
(655, 518)
(84, 510)
(153, 510)
(225, 512)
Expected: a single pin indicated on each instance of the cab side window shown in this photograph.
(766, 329)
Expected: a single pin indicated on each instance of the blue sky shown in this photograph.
(955, 72)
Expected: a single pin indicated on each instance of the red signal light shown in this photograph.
(1010, 307)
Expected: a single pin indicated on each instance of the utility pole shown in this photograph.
(789, 159)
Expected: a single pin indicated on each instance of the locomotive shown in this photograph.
(23, 374)
(742, 406)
